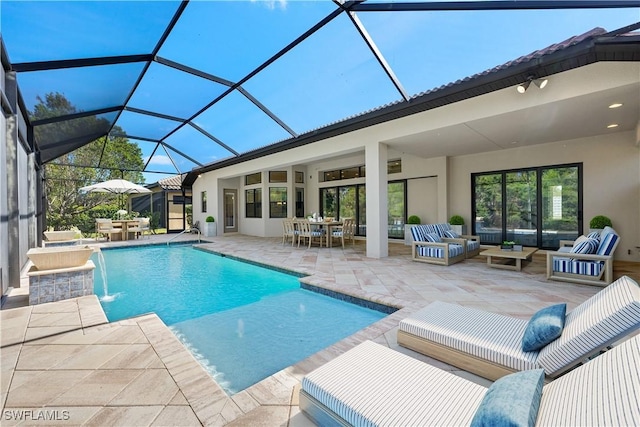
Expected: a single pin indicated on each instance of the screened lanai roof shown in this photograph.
(198, 83)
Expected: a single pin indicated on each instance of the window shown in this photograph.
(393, 166)
(253, 203)
(535, 206)
(254, 178)
(349, 201)
(277, 176)
(277, 202)
(299, 202)
(299, 177)
(203, 196)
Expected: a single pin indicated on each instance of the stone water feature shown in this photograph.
(60, 273)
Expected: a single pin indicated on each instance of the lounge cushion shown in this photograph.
(600, 320)
(486, 335)
(544, 327)
(511, 401)
(570, 265)
(438, 251)
(594, 235)
(602, 392)
(374, 385)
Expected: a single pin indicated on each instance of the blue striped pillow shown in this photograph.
(594, 235)
(432, 237)
(607, 244)
(587, 246)
(451, 234)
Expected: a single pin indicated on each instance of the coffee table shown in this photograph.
(515, 256)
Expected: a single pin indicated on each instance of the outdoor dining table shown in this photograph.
(327, 225)
(125, 224)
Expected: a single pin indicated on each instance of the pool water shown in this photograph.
(241, 321)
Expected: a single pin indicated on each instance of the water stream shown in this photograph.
(105, 286)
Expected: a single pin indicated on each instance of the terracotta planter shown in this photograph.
(59, 257)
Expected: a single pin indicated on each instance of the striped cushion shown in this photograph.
(450, 234)
(419, 231)
(594, 235)
(607, 244)
(472, 245)
(487, 335)
(609, 314)
(586, 246)
(438, 252)
(570, 265)
(603, 392)
(432, 237)
(441, 228)
(374, 385)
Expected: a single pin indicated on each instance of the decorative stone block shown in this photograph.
(60, 284)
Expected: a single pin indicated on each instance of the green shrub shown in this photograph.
(456, 220)
(210, 219)
(413, 219)
(600, 221)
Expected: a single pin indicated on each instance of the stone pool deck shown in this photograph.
(65, 361)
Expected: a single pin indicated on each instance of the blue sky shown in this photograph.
(330, 76)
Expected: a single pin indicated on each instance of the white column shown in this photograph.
(377, 200)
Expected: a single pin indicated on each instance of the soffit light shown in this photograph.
(616, 105)
(541, 83)
(612, 125)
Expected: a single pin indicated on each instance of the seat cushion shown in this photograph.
(570, 265)
(374, 385)
(586, 246)
(607, 244)
(611, 313)
(543, 327)
(511, 401)
(489, 336)
(438, 252)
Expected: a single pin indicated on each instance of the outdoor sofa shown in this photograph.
(440, 244)
(372, 385)
(491, 345)
(587, 260)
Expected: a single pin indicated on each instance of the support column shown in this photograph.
(11, 168)
(377, 200)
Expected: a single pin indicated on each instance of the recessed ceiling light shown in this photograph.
(612, 125)
(514, 142)
(616, 105)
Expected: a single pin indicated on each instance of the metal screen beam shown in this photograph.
(495, 5)
(76, 63)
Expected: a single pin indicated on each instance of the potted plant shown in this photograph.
(457, 224)
(507, 245)
(599, 222)
(209, 227)
(412, 220)
(517, 247)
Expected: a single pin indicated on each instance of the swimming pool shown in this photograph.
(241, 321)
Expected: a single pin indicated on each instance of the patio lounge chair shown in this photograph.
(590, 264)
(372, 385)
(490, 344)
(430, 247)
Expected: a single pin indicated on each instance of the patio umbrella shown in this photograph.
(115, 186)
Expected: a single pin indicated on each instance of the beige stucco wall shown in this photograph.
(611, 171)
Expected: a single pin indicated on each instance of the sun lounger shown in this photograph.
(490, 344)
(372, 385)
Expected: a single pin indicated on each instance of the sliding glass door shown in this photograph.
(534, 206)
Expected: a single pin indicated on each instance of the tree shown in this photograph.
(102, 159)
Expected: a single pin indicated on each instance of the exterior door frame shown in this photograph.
(233, 227)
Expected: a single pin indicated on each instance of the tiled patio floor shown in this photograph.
(65, 361)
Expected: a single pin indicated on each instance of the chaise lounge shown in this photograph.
(372, 385)
(491, 344)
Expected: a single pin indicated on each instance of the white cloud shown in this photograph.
(272, 4)
(159, 159)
